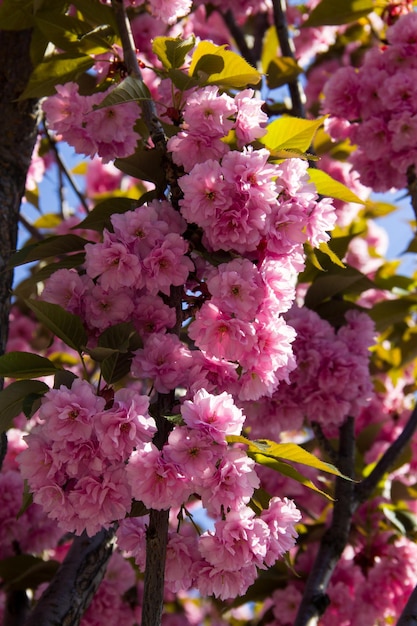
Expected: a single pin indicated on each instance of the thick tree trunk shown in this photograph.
(18, 121)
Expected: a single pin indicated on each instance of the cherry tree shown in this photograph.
(208, 409)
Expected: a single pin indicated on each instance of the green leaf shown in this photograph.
(99, 217)
(96, 13)
(281, 71)
(12, 399)
(287, 470)
(325, 249)
(25, 365)
(328, 186)
(56, 69)
(25, 571)
(16, 14)
(287, 451)
(217, 66)
(145, 165)
(336, 282)
(291, 133)
(329, 12)
(54, 246)
(73, 35)
(269, 48)
(122, 340)
(391, 312)
(122, 337)
(61, 323)
(172, 51)
(131, 89)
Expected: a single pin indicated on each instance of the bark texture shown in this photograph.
(18, 123)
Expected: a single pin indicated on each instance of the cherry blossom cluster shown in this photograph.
(76, 454)
(197, 461)
(107, 132)
(332, 379)
(375, 107)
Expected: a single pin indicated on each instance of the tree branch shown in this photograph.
(287, 50)
(75, 583)
(364, 489)
(315, 600)
(237, 34)
(129, 54)
(348, 498)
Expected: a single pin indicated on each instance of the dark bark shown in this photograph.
(18, 124)
(75, 583)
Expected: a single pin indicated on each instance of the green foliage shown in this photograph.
(145, 164)
(114, 351)
(281, 71)
(131, 89)
(61, 323)
(329, 12)
(290, 133)
(25, 365)
(284, 451)
(172, 51)
(54, 246)
(25, 571)
(54, 70)
(99, 217)
(328, 186)
(13, 397)
(214, 65)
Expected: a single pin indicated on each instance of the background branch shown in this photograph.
(75, 582)
(315, 600)
(287, 50)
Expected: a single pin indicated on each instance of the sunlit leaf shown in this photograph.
(285, 451)
(25, 365)
(287, 470)
(171, 51)
(328, 186)
(216, 65)
(269, 48)
(292, 133)
(329, 12)
(13, 396)
(56, 69)
(282, 71)
(61, 323)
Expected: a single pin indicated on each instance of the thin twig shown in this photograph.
(287, 50)
(324, 443)
(239, 37)
(364, 489)
(63, 168)
(129, 56)
(32, 230)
